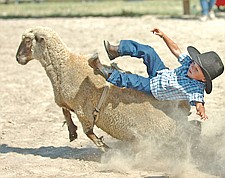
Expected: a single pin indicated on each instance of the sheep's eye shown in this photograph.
(28, 42)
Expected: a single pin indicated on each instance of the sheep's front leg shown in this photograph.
(71, 126)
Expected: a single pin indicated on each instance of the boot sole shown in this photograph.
(106, 44)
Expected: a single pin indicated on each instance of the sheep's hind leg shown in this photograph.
(72, 128)
(98, 141)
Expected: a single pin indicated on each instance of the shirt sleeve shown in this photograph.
(184, 59)
(196, 97)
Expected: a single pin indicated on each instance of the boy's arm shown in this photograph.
(201, 110)
(171, 44)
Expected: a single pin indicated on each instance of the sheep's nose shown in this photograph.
(18, 55)
(17, 58)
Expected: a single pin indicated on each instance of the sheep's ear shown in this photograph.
(39, 38)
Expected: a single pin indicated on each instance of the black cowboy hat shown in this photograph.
(210, 63)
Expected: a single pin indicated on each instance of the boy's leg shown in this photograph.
(119, 79)
(133, 81)
(147, 53)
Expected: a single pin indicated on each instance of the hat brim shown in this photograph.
(194, 53)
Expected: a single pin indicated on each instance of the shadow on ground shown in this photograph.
(86, 154)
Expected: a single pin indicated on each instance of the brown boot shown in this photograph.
(103, 70)
(111, 50)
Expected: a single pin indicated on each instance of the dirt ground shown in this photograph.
(33, 142)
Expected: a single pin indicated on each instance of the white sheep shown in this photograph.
(125, 114)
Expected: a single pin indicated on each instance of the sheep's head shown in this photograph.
(31, 47)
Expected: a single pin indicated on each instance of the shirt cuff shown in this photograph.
(196, 97)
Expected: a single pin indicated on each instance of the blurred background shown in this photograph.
(95, 8)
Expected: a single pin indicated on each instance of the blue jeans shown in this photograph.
(207, 6)
(150, 59)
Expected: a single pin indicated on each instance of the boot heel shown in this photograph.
(112, 51)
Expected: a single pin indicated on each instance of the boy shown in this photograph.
(186, 82)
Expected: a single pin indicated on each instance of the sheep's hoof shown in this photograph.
(105, 148)
(73, 136)
(102, 145)
(72, 133)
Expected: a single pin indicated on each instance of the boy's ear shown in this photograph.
(204, 80)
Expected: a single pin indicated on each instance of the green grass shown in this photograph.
(98, 8)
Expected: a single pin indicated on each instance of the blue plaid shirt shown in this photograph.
(176, 85)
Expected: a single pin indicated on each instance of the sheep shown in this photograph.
(125, 114)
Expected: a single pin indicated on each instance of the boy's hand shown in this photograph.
(158, 32)
(201, 110)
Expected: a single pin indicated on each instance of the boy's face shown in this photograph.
(195, 72)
